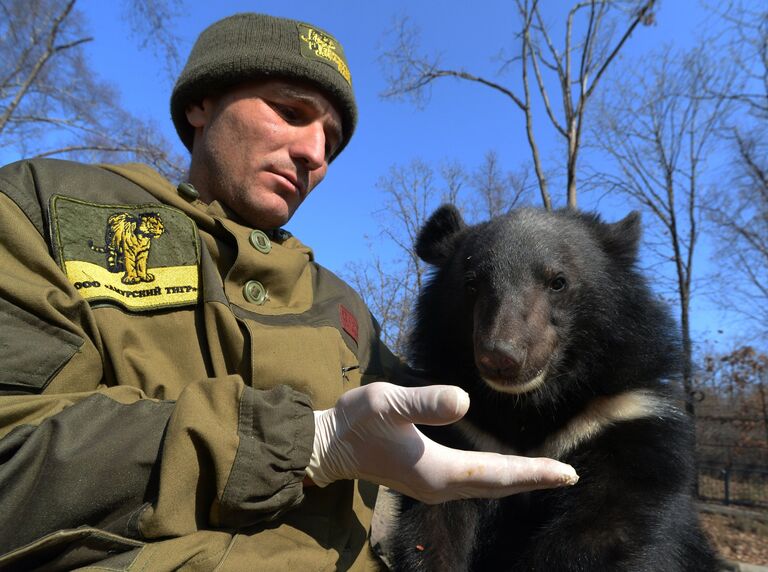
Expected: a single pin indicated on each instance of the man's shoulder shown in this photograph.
(32, 183)
(25, 183)
(40, 171)
(27, 170)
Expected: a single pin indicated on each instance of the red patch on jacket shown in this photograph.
(348, 322)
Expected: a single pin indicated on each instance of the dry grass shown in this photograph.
(739, 537)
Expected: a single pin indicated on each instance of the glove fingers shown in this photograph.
(430, 405)
(527, 474)
(490, 475)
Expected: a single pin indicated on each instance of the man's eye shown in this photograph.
(287, 112)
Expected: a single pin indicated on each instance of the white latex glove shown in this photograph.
(370, 434)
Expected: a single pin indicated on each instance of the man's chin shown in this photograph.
(267, 219)
(265, 210)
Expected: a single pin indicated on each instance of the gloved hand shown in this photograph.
(370, 434)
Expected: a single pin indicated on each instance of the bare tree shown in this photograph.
(659, 133)
(740, 210)
(740, 215)
(574, 68)
(390, 288)
(746, 43)
(151, 23)
(51, 101)
(495, 192)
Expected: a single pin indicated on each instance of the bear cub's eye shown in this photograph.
(558, 283)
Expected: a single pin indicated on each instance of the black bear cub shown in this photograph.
(544, 320)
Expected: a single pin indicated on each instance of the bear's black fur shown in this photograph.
(544, 320)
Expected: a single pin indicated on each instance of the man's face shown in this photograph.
(262, 147)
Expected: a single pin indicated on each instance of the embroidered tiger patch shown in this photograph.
(127, 240)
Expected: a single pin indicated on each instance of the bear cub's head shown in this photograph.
(530, 297)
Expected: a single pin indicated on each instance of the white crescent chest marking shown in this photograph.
(600, 413)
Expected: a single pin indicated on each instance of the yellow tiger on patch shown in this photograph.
(127, 240)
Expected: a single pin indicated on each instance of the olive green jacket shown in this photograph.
(159, 363)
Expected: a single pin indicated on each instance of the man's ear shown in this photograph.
(199, 112)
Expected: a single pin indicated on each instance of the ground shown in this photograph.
(741, 536)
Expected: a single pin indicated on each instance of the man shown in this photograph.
(179, 375)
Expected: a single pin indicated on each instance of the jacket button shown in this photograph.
(254, 292)
(260, 241)
(187, 191)
(281, 234)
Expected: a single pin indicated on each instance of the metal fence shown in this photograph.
(733, 485)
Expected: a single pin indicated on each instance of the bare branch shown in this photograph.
(414, 74)
(152, 22)
(658, 134)
(53, 104)
(543, 92)
(642, 14)
(428, 77)
(50, 50)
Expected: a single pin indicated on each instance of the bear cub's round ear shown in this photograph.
(434, 244)
(622, 239)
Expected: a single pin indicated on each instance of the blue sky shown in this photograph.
(462, 121)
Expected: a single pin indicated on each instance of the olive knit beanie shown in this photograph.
(250, 46)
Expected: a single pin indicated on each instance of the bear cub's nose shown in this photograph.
(500, 360)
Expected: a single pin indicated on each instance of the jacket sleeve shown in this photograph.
(75, 452)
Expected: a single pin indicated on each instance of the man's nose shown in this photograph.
(309, 146)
